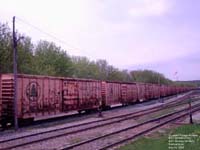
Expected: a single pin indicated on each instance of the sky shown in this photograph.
(162, 35)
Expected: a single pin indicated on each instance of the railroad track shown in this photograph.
(46, 135)
(132, 131)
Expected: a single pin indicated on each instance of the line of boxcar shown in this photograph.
(47, 96)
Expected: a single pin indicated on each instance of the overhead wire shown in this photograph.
(49, 34)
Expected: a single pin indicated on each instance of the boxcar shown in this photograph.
(6, 98)
(141, 92)
(47, 96)
(148, 91)
(81, 94)
(162, 91)
(129, 93)
(151, 91)
(37, 96)
(156, 91)
(112, 93)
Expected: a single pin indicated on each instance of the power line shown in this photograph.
(48, 34)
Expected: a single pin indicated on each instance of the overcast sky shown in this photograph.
(163, 35)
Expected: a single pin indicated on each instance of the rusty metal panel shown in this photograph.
(147, 91)
(129, 93)
(151, 91)
(168, 90)
(70, 95)
(7, 93)
(113, 93)
(163, 91)
(173, 90)
(124, 93)
(103, 93)
(38, 96)
(81, 94)
(156, 91)
(141, 92)
(89, 94)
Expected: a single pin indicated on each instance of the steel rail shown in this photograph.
(102, 120)
(84, 129)
(147, 130)
(132, 127)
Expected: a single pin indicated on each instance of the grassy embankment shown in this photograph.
(160, 141)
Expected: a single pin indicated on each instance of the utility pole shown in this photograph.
(15, 75)
(190, 111)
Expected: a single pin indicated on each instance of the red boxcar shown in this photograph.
(129, 93)
(141, 91)
(45, 96)
(38, 96)
(151, 91)
(113, 93)
(6, 98)
(156, 91)
(81, 94)
(148, 91)
(162, 91)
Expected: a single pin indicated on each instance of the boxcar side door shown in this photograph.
(70, 95)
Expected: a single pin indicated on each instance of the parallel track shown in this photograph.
(121, 118)
(173, 118)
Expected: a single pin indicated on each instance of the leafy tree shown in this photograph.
(84, 68)
(45, 58)
(25, 56)
(51, 60)
(6, 54)
(149, 76)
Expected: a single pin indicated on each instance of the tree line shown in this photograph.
(46, 58)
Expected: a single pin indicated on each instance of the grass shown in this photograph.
(161, 142)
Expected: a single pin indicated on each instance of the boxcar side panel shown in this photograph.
(147, 91)
(70, 95)
(129, 93)
(7, 96)
(113, 93)
(38, 96)
(156, 89)
(141, 92)
(89, 94)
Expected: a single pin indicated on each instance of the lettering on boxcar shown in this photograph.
(33, 91)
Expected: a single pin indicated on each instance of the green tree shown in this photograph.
(51, 60)
(84, 68)
(6, 54)
(25, 56)
(149, 76)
